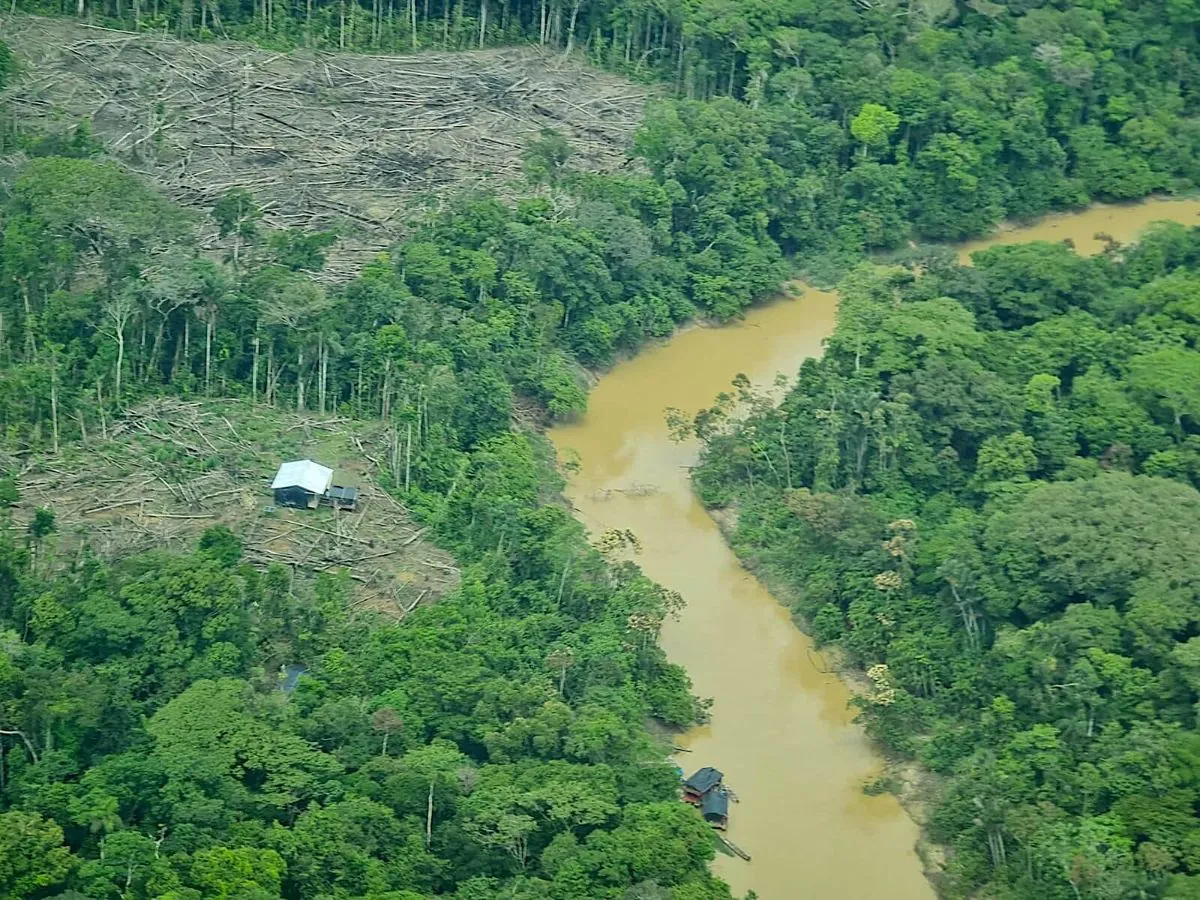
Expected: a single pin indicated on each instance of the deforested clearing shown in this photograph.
(164, 471)
(361, 144)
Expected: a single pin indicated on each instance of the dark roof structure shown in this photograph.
(715, 805)
(346, 494)
(704, 780)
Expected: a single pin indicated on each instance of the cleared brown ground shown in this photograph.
(354, 142)
(170, 469)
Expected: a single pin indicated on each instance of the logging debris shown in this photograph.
(352, 143)
(171, 468)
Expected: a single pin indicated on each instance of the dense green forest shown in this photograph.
(986, 494)
(492, 746)
(988, 499)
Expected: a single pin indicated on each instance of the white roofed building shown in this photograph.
(301, 484)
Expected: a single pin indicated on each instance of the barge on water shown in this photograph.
(700, 783)
(715, 807)
(706, 791)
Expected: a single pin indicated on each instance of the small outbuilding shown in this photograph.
(715, 807)
(302, 484)
(343, 497)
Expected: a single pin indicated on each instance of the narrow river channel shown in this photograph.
(781, 731)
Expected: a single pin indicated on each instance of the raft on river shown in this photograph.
(706, 791)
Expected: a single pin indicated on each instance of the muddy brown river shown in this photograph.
(781, 731)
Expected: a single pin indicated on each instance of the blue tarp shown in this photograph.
(291, 674)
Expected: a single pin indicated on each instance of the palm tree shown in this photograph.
(100, 813)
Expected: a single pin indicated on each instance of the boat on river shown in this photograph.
(705, 789)
(700, 783)
(714, 806)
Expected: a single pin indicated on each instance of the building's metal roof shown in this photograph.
(303, 473)
(715, 803)
(338, 492)
(704, 780)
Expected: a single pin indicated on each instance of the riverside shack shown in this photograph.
(700, 783)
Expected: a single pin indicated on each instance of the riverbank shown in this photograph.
(1101, 222)
(914, 786)
(1089, 230)
(791, 290)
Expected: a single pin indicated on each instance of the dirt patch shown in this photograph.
(726, 518)
(357, 143)
(170, 469)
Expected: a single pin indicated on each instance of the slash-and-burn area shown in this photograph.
(356, 143)
(170, 469)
